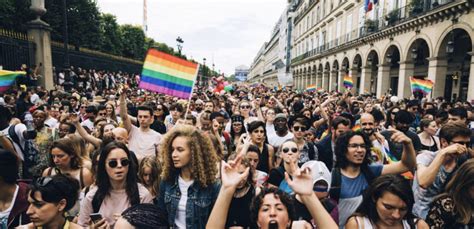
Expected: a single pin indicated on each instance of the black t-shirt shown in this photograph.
(276, 176)
(238, 211)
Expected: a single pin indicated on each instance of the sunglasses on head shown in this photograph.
(286, 150)
(114, 163)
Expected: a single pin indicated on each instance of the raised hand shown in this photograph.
(399, 137)
(230, 175)
(301, 182)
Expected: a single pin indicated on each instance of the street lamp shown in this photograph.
(180, 44)
(203, 71)
(414, 53)
(388, 58)
(66, 42)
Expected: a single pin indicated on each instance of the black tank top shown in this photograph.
(263, 160)
(432, 148)
(238, 210)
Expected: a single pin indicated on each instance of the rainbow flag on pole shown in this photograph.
(7, 78)
(421, 85)
(311, 87)
(348, 83)
(167, 74)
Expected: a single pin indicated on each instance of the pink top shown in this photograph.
(112, 206)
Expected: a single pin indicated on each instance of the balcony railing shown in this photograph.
(390, 19)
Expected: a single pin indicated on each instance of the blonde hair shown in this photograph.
(203, 156)
(155, 167)
(458, 189)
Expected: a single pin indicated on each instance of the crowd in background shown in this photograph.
(99, 152)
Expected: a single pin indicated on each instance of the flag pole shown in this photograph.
(191, 94)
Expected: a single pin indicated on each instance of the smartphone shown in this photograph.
(96, 217)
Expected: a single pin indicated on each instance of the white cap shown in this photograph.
(394, 99)
(319, 171)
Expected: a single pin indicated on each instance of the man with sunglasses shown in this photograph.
(434, 169)
(307, 149)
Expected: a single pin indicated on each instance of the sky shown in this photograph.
(226, 32)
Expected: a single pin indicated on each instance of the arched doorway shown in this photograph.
(456, 47)
(392, 59)
(333, 82)
(319, 77)
(418, 53)
(371, 70)
(342, 73)
(355, 72)
(327, 71)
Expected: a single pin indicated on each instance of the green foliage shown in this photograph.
(14, 14)
(133, 39)
(111, 40)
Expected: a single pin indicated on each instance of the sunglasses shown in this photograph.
(286, 150)
(43, 181)
(114, 163)
(102, 114)
(245, 107)
(158, 109)
(299, 128)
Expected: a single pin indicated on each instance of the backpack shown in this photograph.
(29, 151)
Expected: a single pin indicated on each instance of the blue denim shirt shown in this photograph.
(198, 207)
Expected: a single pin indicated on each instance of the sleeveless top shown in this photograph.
(365, 223)
(263, 160)
(237, 207)
(432, 148)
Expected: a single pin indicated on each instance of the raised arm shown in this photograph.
(408, 161)
(302, 184)
(74, 118)
(127, 124)
(230, 180)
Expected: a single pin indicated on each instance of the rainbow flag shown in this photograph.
(390, 158)
(167, 74)
(421, 85)
(7, 78)
(311, 87)
(348, 83)
(356, 128)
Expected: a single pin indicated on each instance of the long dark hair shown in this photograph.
(103, 181)
(394, 184)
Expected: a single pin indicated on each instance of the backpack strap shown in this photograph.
(311, 152)
(336, 179)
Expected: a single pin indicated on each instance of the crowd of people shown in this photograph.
(98, 152)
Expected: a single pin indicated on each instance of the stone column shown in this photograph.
(40, 31)
(470, 87)
(365, 80)
(333, 80)
(437, 70)
(383, 79)
(407, 69)
(326, 80)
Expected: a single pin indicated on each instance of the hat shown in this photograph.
(319, 171)
(237, 118)
(98, 99)
(394, 99)
(281, 115)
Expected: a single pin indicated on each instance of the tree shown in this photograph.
(111, 40)
(133, 39)
(14, 14)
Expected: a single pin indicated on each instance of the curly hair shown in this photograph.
(155, 167)
(342, 144)
(203, 156)
(257, 202)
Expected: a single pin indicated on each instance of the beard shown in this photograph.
(198, 109)
(368, 132)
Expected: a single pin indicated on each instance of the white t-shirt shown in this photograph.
(19, 129)
(51, 122)
(89, 124)
(180, 219)
(143, 143)
(5, 214)
(276, 140)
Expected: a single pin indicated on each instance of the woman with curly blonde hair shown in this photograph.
(189, 170)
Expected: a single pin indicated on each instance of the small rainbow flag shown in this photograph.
(421, 85)
(311, 87)
(7, 78)
(167, 74)
(348, 83)
(356, 128)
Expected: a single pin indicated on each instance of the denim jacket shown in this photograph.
(198, 207)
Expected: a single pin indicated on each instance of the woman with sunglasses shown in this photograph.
(50, 198)
(117, 187)
(392, 112)
(290, 154)
(189, 184)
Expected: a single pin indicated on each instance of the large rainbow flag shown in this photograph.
(420, 85)
(167, 74)
(348, 83)
(7, 78)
